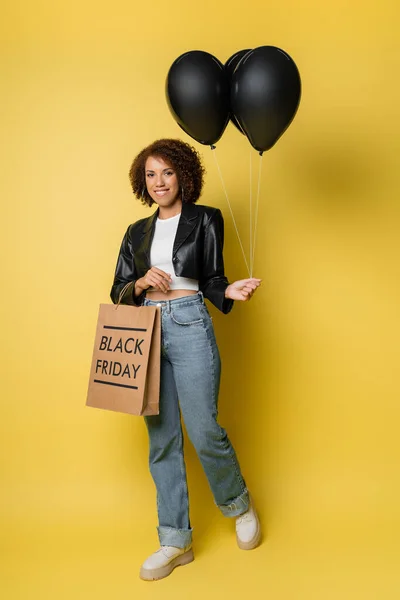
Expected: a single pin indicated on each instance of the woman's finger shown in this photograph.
(248, 282)
(158, 282)
(161, 280)
(163, 274)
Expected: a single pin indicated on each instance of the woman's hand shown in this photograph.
(242, 289)
(155, 278)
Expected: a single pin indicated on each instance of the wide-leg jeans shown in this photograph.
(190, 379)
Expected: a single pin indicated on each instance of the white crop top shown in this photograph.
(161, 253)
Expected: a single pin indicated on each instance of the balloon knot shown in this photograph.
(261, 153)
(212, 147)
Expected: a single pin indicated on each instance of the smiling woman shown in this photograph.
(162, 186)
(174, 258)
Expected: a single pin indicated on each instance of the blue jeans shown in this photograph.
(190, 371)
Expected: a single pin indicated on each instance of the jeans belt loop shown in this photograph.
(201, 297)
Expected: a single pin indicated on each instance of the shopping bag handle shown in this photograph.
(122, 292)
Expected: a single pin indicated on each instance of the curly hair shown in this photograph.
(184, 159)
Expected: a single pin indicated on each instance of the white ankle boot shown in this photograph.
(163, 562)
(248, 530)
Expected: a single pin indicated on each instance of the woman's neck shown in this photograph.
(166, 212)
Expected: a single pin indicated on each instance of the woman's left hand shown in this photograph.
(242, 289)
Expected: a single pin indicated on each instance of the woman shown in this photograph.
(174, 258)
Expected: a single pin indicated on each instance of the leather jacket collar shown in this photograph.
(187, 223)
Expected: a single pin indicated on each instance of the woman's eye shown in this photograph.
(149, 174)
(169, 173)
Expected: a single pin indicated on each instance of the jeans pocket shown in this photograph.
(187, 315)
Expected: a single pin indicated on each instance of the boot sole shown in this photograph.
(161, 572)
(252, 544)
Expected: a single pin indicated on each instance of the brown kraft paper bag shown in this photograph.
(125, 371)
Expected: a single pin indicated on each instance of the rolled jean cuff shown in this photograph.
(180, 538)
(237, 507)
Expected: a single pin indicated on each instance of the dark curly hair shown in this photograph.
(184, 159)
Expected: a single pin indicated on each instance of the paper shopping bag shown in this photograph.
(125, 371)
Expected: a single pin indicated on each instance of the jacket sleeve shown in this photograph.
(213, 282)
(125, 272)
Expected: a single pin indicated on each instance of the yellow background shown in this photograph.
(310, 389)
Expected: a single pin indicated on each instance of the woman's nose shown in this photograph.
(160, 181)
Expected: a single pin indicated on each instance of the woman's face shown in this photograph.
(161, 182)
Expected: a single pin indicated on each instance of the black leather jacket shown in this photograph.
(197, 254)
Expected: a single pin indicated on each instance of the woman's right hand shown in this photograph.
(155, 278)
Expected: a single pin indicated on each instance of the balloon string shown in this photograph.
(255, 222)
(251, 215)
(230, 208)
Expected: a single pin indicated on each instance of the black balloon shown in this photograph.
(265, 95)
(197, 93)
(230, 66)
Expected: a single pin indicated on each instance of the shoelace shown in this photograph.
(246, 517)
